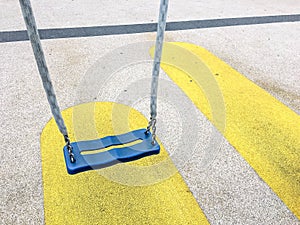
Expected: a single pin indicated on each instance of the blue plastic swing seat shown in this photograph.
(113, 156)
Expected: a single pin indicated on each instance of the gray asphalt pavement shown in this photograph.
(229, 191)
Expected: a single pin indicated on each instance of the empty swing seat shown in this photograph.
(113, 156)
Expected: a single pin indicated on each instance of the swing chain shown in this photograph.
(161, 26)
(70, 149)
(152, 124)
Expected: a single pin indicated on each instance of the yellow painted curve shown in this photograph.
(89, 197)
(262, 129)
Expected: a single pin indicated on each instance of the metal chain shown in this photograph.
(161, 25)
(43, 70)
(70, 149)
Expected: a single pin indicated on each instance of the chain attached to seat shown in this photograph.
(70, 149)
(34, 37)
(152, 124)
(161, 26)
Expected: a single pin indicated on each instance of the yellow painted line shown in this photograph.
(262, 129)
(92, 197)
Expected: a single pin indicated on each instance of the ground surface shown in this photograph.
(230, 191)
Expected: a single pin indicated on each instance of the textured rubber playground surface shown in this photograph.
(232, 159)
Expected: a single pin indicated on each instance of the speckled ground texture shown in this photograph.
(229, 191)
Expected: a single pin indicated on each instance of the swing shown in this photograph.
(75, 160)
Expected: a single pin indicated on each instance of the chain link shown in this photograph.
(153, 131)
(70, 149)
(152, 124)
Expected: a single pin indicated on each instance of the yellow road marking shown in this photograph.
(89, 198)
(262, 129)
